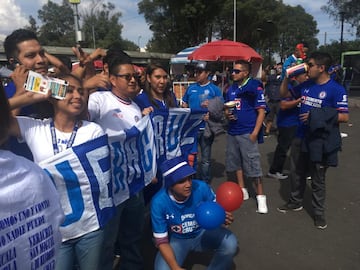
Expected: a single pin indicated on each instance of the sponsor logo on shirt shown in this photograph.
(312, 102)
(117, 113)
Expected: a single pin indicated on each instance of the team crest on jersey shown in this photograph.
(238, 103)
(322, 95)
(137, 118)
(306, 90)
(176, 228)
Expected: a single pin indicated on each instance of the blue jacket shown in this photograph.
(322, 139)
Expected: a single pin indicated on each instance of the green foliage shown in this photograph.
(128, 45)
(179, 24)
(350, 9)
(57, 27)
(32, 25)
(335, 49)
(264, 25)
(101, 21)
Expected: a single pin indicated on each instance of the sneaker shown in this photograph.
(245, 194)
(290, 207)
(320, 222)
(262, 207)
(277, 175)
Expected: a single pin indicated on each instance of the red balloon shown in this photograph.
(230, 196)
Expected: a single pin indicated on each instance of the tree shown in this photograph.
(100, 20)
(296, 26)
(179, 24)
(101, 26)
(335, 49)
(268, 26)
(32, 25)
(57, 27)
(350, 9)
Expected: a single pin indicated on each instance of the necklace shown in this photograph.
(123, 100)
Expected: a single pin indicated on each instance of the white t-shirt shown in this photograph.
(29, 207)
(37, 134)
(112, 113)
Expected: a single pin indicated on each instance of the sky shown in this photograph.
(15, 14)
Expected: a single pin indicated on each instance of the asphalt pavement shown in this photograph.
(291, 241)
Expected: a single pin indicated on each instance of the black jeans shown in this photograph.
(303, 168)
(285, 137)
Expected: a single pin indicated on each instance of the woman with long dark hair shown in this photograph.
(157, 93)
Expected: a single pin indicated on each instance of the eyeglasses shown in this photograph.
(310, 65)
(128, 76)
(237, 71)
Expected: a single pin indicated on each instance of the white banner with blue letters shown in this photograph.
(133, 160)
(175, 131)
(94, 184)
(86, 193)
(135, 152)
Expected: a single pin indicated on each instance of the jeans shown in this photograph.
(303, 168)
(285, 137)
(205, 149)
(123, 235)
(85, 249)
(221, 241)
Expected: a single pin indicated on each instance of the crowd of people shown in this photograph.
(100, 105)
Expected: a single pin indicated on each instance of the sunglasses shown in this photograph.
(128, 76)
(237, 71)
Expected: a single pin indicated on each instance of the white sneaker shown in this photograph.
(262, 207)
(277, 175)
(245, 194)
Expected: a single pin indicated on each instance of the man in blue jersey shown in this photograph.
(324, 105)
(287, 124)
(175, 228)
(245, 122)
(197, 96)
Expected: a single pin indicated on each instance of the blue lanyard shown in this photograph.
(54, 140)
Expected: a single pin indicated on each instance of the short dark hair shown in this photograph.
(16, 37)
(113, 51)
(322, 58)
(244, 63)
(305, 44)
(115, 57)
(65, 76)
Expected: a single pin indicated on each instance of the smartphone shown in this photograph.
(14, 63)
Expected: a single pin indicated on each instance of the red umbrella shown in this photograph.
(225, 50)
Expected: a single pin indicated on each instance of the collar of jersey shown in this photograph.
(245, 82)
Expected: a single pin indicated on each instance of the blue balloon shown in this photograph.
(210, 215)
